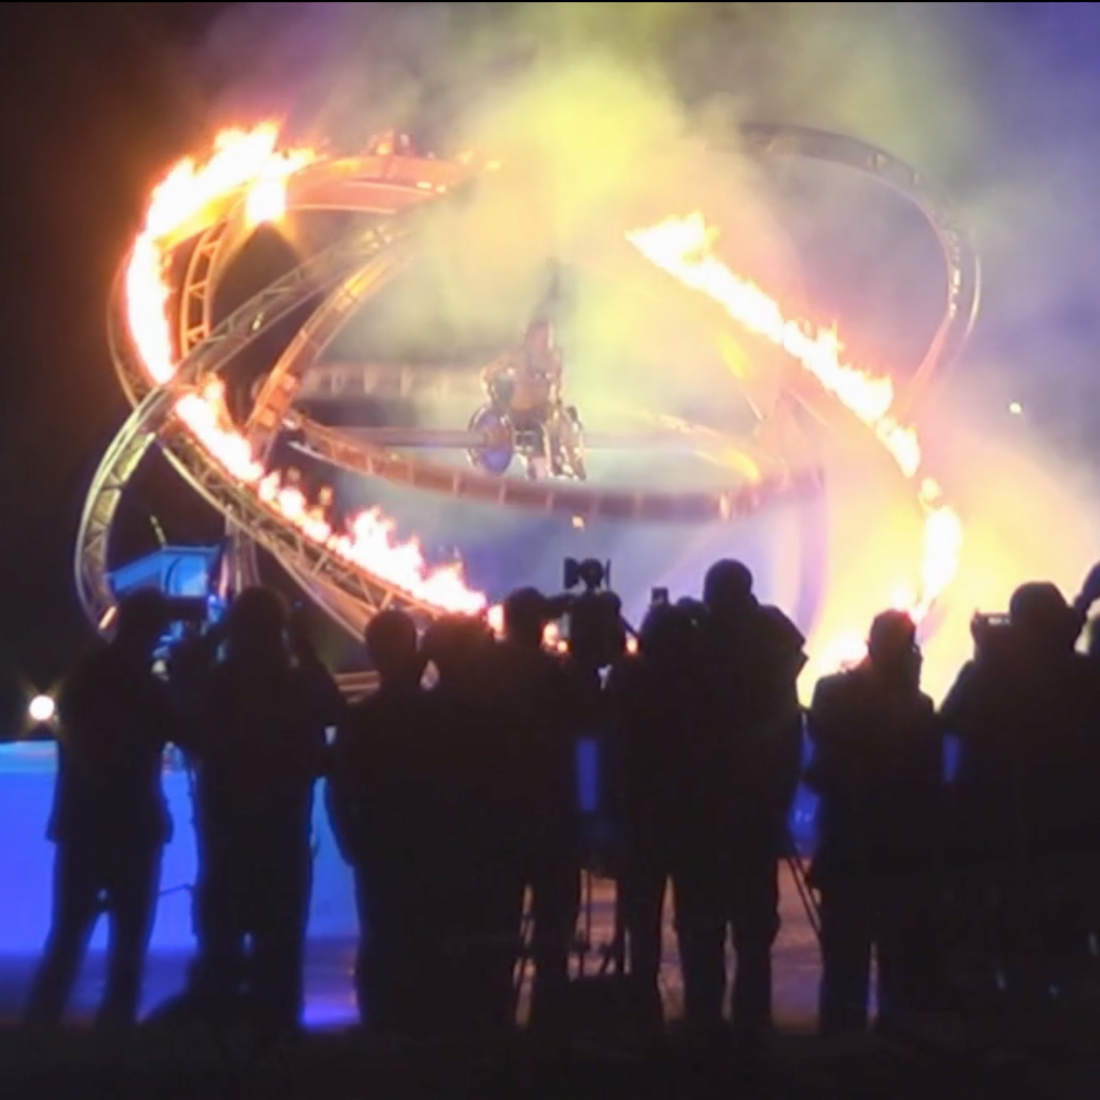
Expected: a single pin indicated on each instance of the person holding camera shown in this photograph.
(538, 708)
(110, 820)
(657, 699)
(256, 737)
(1025, 713)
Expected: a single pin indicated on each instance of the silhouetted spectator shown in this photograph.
(377, 799)
(258, 741)
(467, 917)
(1024, 711)
(658, 698)
(752, 735)
(109, 821)
(877, 768)
(535, 707)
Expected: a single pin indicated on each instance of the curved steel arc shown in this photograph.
(268, 528)
(279, 392)
(547, 497)
(262, 432)
(963, 292)
(208, 350)
(233, 335)
(367, 185)
(962, 297)
(117, 465)
(205, 268)
(334, 447)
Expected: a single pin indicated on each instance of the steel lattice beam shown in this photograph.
(207, 350)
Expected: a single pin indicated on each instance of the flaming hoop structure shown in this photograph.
(171, 359)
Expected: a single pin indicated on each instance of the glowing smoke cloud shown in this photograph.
(908, 76)
(250, 162)
(683, 248)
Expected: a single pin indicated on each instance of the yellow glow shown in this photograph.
(685, 249)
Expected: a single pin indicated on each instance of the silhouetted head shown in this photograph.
(255, 626)
(668, 634)
(391, 641)
(455, 645)
(526, 613)
(892, 647)
(727, 589)
(142, 621)
(1040, 615)
(893, 636)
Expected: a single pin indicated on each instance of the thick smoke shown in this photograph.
(612, 115)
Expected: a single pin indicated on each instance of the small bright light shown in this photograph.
(1015, 408)
(41, 709)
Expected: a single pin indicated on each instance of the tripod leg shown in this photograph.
(805, 894)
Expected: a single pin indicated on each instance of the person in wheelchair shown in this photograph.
(526, 390)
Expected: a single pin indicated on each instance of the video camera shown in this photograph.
(595, 629)
(992, 634)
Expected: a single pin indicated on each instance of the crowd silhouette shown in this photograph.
(453, 796)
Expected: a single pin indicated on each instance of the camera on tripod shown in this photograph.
(594, 575)
(595, 629)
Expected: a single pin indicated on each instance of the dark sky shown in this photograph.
(95, 100)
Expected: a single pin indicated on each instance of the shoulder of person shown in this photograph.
(973, 676)
(927, 713)
(835, 685)
(781, 626)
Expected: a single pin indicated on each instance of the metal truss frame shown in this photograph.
(207, 350)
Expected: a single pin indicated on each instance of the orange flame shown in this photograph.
(683, 247)
(248, 163)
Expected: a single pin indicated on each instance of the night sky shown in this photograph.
(96, 100)
(99, 98)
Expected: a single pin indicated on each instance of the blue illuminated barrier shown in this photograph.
(26, 861)
(26, 857)
(173, 570)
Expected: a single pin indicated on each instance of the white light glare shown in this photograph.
(41, 709)
(1015, 408)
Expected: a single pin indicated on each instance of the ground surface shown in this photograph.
(334, 1061)
(330, 1002)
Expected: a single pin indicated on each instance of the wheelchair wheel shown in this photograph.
(495, 455)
